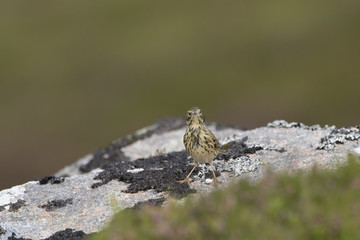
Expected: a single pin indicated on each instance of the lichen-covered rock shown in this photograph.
(143, 169)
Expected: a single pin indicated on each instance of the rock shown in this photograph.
(143, 169)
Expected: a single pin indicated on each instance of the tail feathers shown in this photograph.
(226, 146)
(221, 150)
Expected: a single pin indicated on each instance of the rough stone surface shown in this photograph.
(14, 207)
(152, 202)
(2, 231)
(142, 169)
(51, 180)
(68, 234)
(55, 204)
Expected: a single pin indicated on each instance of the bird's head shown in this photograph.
(194, 116)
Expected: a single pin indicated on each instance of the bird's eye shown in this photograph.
(189, 114)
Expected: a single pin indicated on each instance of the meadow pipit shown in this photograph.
(200, 142)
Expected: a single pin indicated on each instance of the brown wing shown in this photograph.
(187, 140)
(210, 140)
(216, 142)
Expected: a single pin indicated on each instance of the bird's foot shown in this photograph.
(185, 180)
(215, 180)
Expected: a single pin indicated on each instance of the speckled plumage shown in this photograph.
(199, 141)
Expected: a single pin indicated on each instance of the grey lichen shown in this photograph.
(14, 207)
(55, 204)
(285, 124)
(339, 136)
(238, 166)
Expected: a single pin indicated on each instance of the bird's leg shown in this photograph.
(187, 177)
(215, 179)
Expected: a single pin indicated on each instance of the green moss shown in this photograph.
(313, 205)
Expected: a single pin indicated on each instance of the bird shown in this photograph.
(200, 143)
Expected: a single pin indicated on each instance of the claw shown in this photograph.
(185, 180)
(187, 177)
(215, 180)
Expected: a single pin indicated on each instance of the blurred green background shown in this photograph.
(75, 75)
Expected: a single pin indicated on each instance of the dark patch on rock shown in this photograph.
(160, 173)
(339, 136)
(51, 180)
(103, 158)
(157, 202)
(2, 208)
(2, 231)
(281, 150)
(284, 124)
(55, 204)
(67, 234)
(13, 237)
(235, 149)
(14, 207)
(113, 154)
